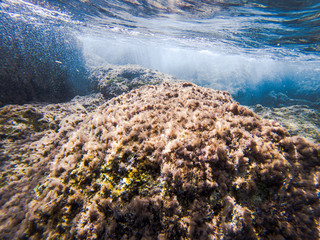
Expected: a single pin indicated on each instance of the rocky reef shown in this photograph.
(30, 136)
(172, 161)
(300, 120)
(113, 80)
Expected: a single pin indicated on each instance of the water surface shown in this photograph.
(250, 48)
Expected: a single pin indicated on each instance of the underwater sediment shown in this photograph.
(174, 161)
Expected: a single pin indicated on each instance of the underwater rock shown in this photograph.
(282, 100)
(30, 136)
(174, 161)
(298, 119)
(112, 80)
(284, 93)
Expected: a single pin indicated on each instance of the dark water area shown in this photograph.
(254, 49)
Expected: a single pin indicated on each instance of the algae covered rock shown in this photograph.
(17, 122)
(30, 136)
(175, 161)
(112, 80)
(298, 119)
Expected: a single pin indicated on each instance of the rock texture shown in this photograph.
(113, 80)
(174, 161)
(298, 119)
(30, 136)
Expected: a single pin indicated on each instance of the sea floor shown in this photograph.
(298, 119)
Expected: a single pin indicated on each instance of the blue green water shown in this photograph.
(250, 48)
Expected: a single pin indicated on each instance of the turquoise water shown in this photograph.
(250, 48)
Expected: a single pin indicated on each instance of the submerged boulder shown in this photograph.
(175, 161)
(113, 80)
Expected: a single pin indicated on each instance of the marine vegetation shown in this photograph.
(175, 161)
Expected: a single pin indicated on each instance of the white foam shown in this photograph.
(206, 66)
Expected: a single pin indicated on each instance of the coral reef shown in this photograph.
(298, 119)
(113, 80)
(174, 161)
